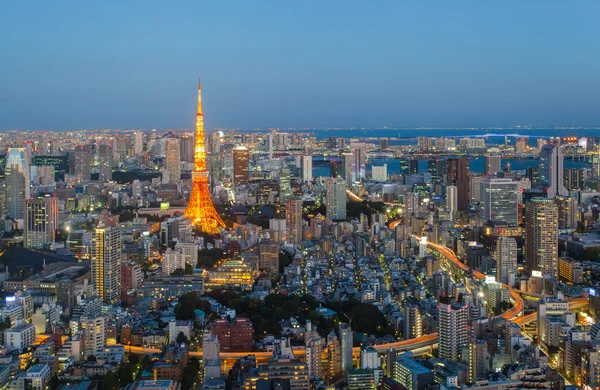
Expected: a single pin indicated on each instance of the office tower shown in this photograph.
(457, 173)
(17, 187)
(379, 173)
(549, 307)
(492, 164)
(551, 171)
(173, 160)
(479, 362)
(306, 168)
(314, 349)
(499, 200)
(505, 254)
(359, 160)
(411, 167)
(241, 159)
(268, 256)
(270, 145)
(106, 263)
(138, 143)
(436, 168)
(347, 168)
(171, 261)
(533, 174)
(452, 200)
(567, 212)
(124, 146)
(293, 220)
(83, 156)
(41, 221)
(59, 163)
(187, 144)
(574, 178)
(335, 204)
(411, 374)
(541, 236)
(334, 357)
(94, 329)
(104, 155)
(200, 207)
(346, 344)
(285, 187)
(453, 321)
(413, 326)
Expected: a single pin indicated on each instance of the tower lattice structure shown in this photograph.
(200, 207)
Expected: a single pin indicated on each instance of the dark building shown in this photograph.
(574, 178)
(409, 167)
(59, 163)
(336, 168)
(458, 174)
(533, 174)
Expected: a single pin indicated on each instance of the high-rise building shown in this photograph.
(457, 173)
(499, 200)
(241, 160)
(541, 236)
(94, 329)
(549, 307)
(505, 254)
(104, 155)
(106, 263)
(187, 145)
(293, 216)
(335, 204)
(379, 173)
(173, 160)
(479, 362)
(268, 256)
(551, 170)
(17, 187)
(41, 221)
(413, 326)
(314, 349)
(574, 178)
(347, 168)
(306, 162)
(492, 164)
(453, 321)
(411, 167)
(452, 200)
(346, 344)
(334, 357)
(285, 187)
(411, 374)
(82, 161)
(200, 207)
(359, 160)
(138, 143)
(567, 212)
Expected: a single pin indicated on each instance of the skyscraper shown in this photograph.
(241, 159)
(541, 236)
(346, 344)
(359, 160)
(293, 216)
(478, 360)
(186, 148)
(452, 200)
(505, 255)
(492, 164)
(307, 168)
(105, 162)
(335, 204)
(82, 161)
(453, 321)
(457, 173)
(106, 263)
(17, 187)
(334, 358)
(499, 200)
(173, 160)
(200, 207)
(347, 168)
(41, 221)
(413, 326)
(285, 187)
(567, 212)
(551, 170)
(138, 143)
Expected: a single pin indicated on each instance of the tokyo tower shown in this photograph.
(200, 207)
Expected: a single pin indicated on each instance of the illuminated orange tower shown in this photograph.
(200, 207)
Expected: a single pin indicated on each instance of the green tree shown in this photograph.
(111, 382)
(127, 374)
(189, 377)
(182, 339)
(189, 269)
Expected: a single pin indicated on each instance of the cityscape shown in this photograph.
(393, 257)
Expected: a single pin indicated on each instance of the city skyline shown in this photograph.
(290, 66)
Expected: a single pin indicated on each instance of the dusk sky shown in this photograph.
(134, 64)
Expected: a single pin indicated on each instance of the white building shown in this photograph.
(20, 336)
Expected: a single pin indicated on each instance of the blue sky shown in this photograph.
(133, 64)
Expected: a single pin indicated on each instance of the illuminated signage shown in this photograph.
(592, 292)
(164, 205)
(537, 274)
